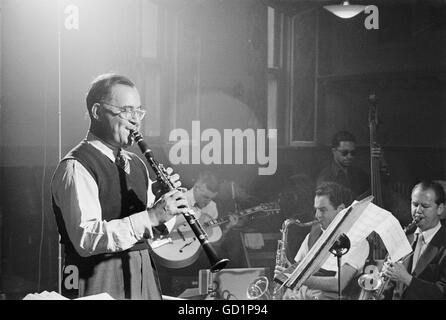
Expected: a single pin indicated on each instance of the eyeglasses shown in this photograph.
(344, 153)
(128, 112)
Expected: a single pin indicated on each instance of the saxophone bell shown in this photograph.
(264, 289)
(370, 284)
(259, 289)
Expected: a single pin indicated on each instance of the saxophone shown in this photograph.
(281, 257)
(260, 289)
(374, 283)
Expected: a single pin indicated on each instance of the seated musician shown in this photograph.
(330, 198)
(201, 198)
(423, 274)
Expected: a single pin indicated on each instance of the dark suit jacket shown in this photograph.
(355, 179)
(429, 276)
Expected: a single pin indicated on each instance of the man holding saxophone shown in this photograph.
(329, 200)
(423, 274)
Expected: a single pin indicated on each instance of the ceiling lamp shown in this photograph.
(345, 10)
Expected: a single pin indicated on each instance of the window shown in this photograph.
(302, 76)
(292, 69)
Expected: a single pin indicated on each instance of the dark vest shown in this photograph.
(315, 233)
(120, 195)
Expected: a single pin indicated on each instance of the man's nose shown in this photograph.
(134, 121)
(418, 209)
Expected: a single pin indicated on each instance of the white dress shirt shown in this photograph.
(355, 257)
(76, 193)
(210, 209)
(427, 236)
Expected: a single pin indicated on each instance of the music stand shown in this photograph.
(339, 248)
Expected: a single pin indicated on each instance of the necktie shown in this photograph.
(417, 252)
(122, 162)
(400, 287)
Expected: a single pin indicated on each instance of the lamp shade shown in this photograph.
(345, 10)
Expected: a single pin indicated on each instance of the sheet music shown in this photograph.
(386, 226)
(45, 295)
(394, 238)
(319, 252)
(99, 296)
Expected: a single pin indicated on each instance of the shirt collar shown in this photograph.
(430, 233)
(94, 141)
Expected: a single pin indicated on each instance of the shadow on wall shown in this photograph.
(26, 213)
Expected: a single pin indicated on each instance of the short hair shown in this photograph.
(210, 180)
(101, 86)
(438, 189)
(342, 136)
(336, 193)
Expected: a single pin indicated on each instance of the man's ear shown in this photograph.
(341, 207)
(95, 111)
(440, 210)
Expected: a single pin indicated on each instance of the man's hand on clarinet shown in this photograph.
(171, 203)
(159, 187)
(173, 178)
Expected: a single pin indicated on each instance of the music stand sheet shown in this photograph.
(381, 221)
(318, 254)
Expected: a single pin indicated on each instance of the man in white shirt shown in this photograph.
(329, 200)
(423, 274)
(103, 203)
(201, 198)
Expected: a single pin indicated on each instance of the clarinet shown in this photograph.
(217, 264)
